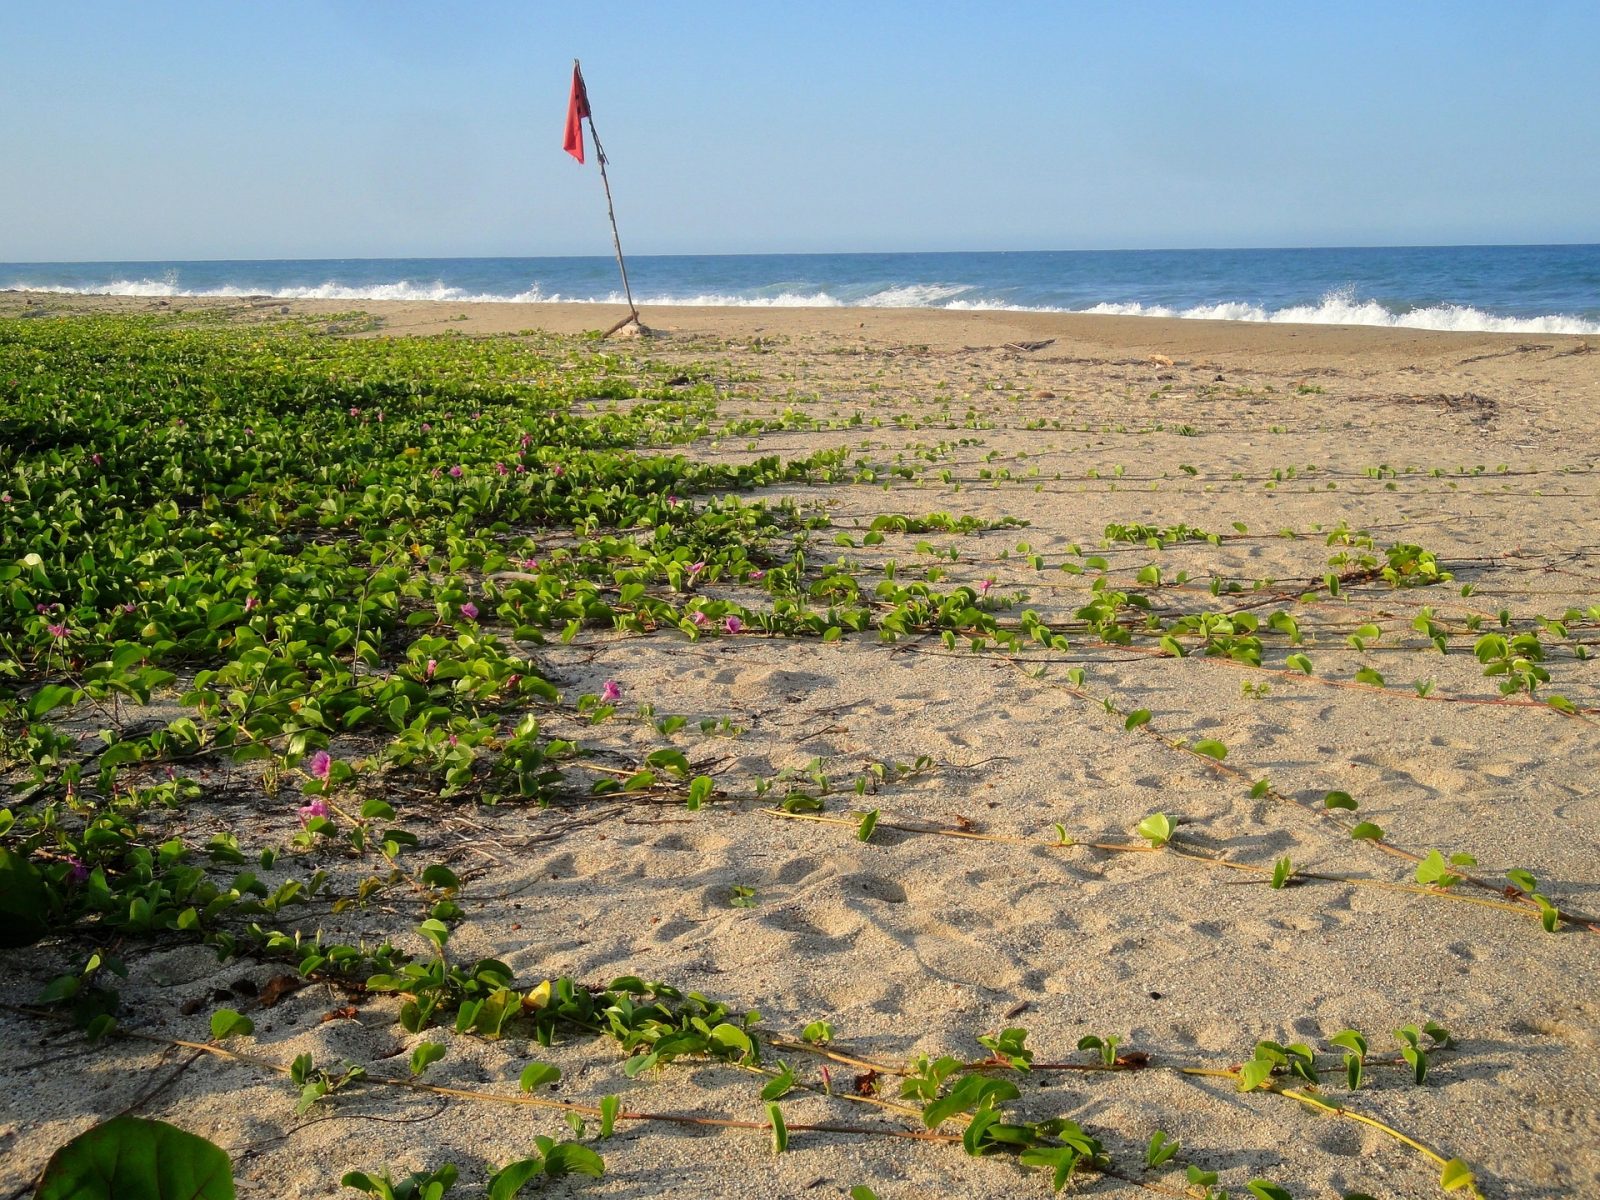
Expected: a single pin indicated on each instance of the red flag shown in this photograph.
(577, 109)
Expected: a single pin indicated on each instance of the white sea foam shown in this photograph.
(1341, 307)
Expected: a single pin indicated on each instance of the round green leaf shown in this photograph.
(130, 1158)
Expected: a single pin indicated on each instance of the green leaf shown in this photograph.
(426, 1054)
(1339, 800)
(1282, 872)
(1211, 748)
(509, 1180)
(1137, 718)
(1254, 1073)
(24, 901)
(609, 1107)
(569, 1158)
(699, 792)
(1367, 831)
(1156, 829)
(225, 1023)
(1260, 788)
(731, 1037)
(1265, 1189)
(537, 1074)
(780, 1131)
(1368, 676)
(869, 822)
(1455, 1176)
(780, 1085)
(1298, 662)
(1433, 871)
(862, 1192)
(130, 1158)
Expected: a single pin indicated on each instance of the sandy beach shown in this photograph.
(1006, 884)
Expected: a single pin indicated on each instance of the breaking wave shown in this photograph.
(1340, 307)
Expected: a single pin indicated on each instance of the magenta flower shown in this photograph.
(530, 564)
(321, 765)
(527, 440)
(127, 608)
(433, 665)
(611, 692)
(696, 567)
(427, 428)
(251, 603)
(380, 416)
(5, 497)
(96, 459)
(76, 871)
(249, 432)
(455, 472)
(315, 809)
(502, 468)
(758, 576)
(985, 586)
(354, 411)
(733, 624)
(56, 631)
(469, 610)
(558, 469)
(699, 618)
(521, 470)
(673, 502)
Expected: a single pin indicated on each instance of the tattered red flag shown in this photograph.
(577, 110)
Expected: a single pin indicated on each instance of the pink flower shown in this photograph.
(699, 618)
(427, 428)
(611, 692)
(512, 681)
(96, 459)
(696, 567)
(433, 665)
(673, 502)
(985, 586)
(5, 497)
(521, 470)
(469, 610)
(530, 564)
(250, 603)
(249, 432)
(455, 472)
(56, 631)
(76, 871)
(315, 809)
(527, 440)
(733, 624)
(354, 411)
(502, 468)
(758, 576)
(380, 416)
(558, 469)
(321, 765)
(127, 608)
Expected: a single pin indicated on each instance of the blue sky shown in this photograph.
(338, 129)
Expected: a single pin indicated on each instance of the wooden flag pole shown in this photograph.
(611, 212)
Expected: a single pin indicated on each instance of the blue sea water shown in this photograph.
(1524, 289)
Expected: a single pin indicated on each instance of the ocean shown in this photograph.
(1516, 289)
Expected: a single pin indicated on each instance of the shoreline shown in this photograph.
(943, 329)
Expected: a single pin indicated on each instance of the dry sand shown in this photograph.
(914, 944)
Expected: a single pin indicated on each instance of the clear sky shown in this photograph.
(329, 128)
